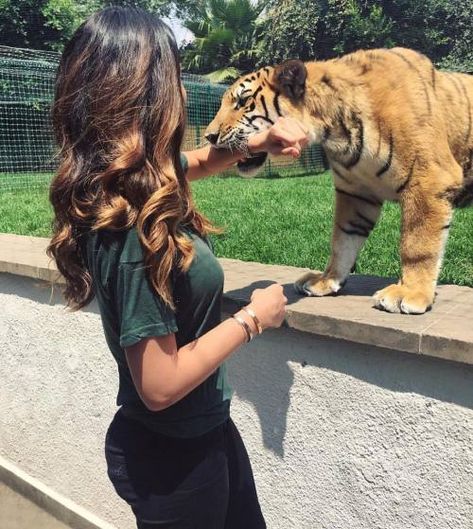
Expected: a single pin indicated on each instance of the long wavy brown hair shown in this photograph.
(119, 119)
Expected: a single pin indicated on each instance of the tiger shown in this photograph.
(393, 128)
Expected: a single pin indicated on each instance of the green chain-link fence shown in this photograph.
(27, 152)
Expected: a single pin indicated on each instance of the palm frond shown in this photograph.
(223, 75)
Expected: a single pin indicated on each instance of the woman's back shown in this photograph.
(131, 311)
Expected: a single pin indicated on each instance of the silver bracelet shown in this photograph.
(245, 326)
(252, 314)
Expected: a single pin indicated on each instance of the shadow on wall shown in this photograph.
(263, 373)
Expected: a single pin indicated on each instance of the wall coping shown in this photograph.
(445, 332)
(47, 499)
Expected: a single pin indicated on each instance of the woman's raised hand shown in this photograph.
(287, 136)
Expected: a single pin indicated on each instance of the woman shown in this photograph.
(126, 232)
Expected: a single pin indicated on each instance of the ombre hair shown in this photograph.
(119, 119)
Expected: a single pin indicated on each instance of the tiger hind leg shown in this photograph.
(425, 226)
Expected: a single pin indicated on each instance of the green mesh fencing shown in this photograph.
(26, 141)
(27, 152)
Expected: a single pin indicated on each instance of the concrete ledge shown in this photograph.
(48, 500)
(445, 332)
(26, 256)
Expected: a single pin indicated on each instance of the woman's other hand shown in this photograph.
(269, 305)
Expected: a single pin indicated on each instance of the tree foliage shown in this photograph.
(236, 35)
(47, 24)
(321, 29)
(226, 33)
(291, 29)
(311, 29)
(460, 51)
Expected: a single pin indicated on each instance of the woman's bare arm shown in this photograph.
(164, 374)
(286, 137)
(208, 160)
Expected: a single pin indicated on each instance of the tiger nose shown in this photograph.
(212, 137)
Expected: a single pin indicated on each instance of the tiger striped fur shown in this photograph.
(393, 128)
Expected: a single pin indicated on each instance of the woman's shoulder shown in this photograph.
(122, 246)
(130, 247)
(125, 247)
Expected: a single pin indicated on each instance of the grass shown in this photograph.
(278, 221)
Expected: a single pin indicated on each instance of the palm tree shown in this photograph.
(226, 32)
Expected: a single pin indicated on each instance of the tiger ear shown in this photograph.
(290, 77)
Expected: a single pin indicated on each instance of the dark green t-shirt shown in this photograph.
(131, 310)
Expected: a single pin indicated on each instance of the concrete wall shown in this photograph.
(341, 436)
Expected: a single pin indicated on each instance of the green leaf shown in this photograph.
(223, 75)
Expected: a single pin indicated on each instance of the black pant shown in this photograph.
(199, 483)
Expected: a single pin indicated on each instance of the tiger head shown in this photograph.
(253, 104)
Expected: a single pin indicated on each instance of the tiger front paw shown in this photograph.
(316, 284)
(401, 299)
